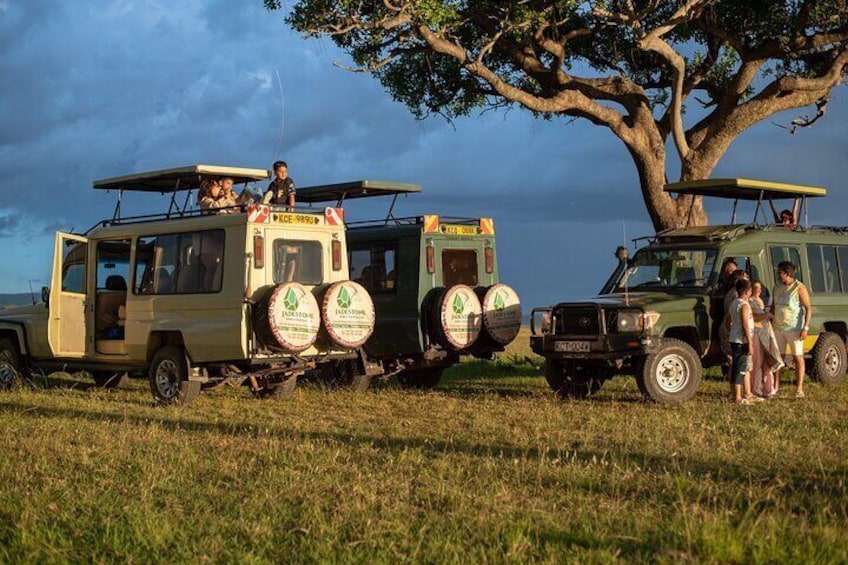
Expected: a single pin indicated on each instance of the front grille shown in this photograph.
(578, 321)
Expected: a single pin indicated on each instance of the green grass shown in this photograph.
(488, 467)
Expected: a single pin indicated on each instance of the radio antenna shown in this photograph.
(282, 116)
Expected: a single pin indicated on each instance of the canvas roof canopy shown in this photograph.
(356, 189)
(744, 189)
(181, 178)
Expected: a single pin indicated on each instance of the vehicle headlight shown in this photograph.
(630, 321)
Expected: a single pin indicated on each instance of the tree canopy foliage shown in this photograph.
(631, 66)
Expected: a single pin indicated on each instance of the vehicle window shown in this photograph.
(843, 265)
(360, 264)
(298, 261)
(786, 253)
(824, 276)
(113, 265)
(184, 263)
(374, 268)
(459, 266)
(684, 268)
(73, 266)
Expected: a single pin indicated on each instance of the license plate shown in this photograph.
(573, 346)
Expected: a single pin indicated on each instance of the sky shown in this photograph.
(99, 88)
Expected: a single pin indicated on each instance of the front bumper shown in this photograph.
(604, 347)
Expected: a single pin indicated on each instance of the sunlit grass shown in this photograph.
(488, 467)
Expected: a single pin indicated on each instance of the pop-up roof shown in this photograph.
(182, 178)
(747, 189)
(357, 189)
(744, 189)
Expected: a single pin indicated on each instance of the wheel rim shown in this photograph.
(832, 360)
(8, 373)
(167, 379)
(672, 373)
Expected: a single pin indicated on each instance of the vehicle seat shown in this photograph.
(189, 277)
(163, 283)
(107, 304)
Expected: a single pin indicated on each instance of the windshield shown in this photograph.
(682, 268)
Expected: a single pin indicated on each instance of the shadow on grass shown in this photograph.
(578, 452)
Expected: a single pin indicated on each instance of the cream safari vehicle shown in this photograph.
(254, 295)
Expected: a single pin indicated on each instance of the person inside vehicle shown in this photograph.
(228, 197)
(281, 191)
(787, 218)
(211, 197)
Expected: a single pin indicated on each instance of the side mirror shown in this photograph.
(45, 294)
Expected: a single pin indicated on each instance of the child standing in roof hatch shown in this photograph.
(281, 190)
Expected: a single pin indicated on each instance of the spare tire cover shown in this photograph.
(501, 313)
(348, 314)
(460, 315)
(294, 317)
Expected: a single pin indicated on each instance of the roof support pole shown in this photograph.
(390, 215)
(733, 217)
(689, 213)
(759, 206)
(117, 214)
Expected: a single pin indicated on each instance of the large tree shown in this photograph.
(631, 66)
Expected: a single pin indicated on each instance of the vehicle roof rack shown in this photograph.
(342, 191)
(175, 180)
(747, 189)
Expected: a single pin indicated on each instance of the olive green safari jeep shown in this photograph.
(251, 295)
(434, 282)
(658, 315)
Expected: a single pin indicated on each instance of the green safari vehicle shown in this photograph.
(658, 315)
(434, 282)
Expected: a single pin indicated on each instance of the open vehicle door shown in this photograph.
(68, 327)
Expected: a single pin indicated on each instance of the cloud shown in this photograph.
(95, 89)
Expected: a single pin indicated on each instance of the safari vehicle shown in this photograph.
(657, 317)
(434, 283)
(193, 299)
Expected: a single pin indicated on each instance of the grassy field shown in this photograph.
(488, 467)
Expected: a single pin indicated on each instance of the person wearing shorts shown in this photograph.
(792, 313)
(741, 342)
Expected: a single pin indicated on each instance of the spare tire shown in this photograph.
(288, 317)
(501, 313)
(456, 317)
(348, 314)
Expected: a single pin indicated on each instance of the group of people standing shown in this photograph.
(216, 195)
(755, 338)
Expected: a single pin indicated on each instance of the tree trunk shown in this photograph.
(666, 212)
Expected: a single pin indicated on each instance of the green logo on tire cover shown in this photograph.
(290, 301)
(500, 304)
(344, 298)
(458, 305)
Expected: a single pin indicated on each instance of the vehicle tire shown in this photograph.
(109, 379)
(11, 365)
(347, 313)
(570, 383)
(345, 374)
(672, 373)
(285, 388)
(829, 358)
(455, 317)
(421, 379)
(168, 376)
(501, 313)
(287, 317)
